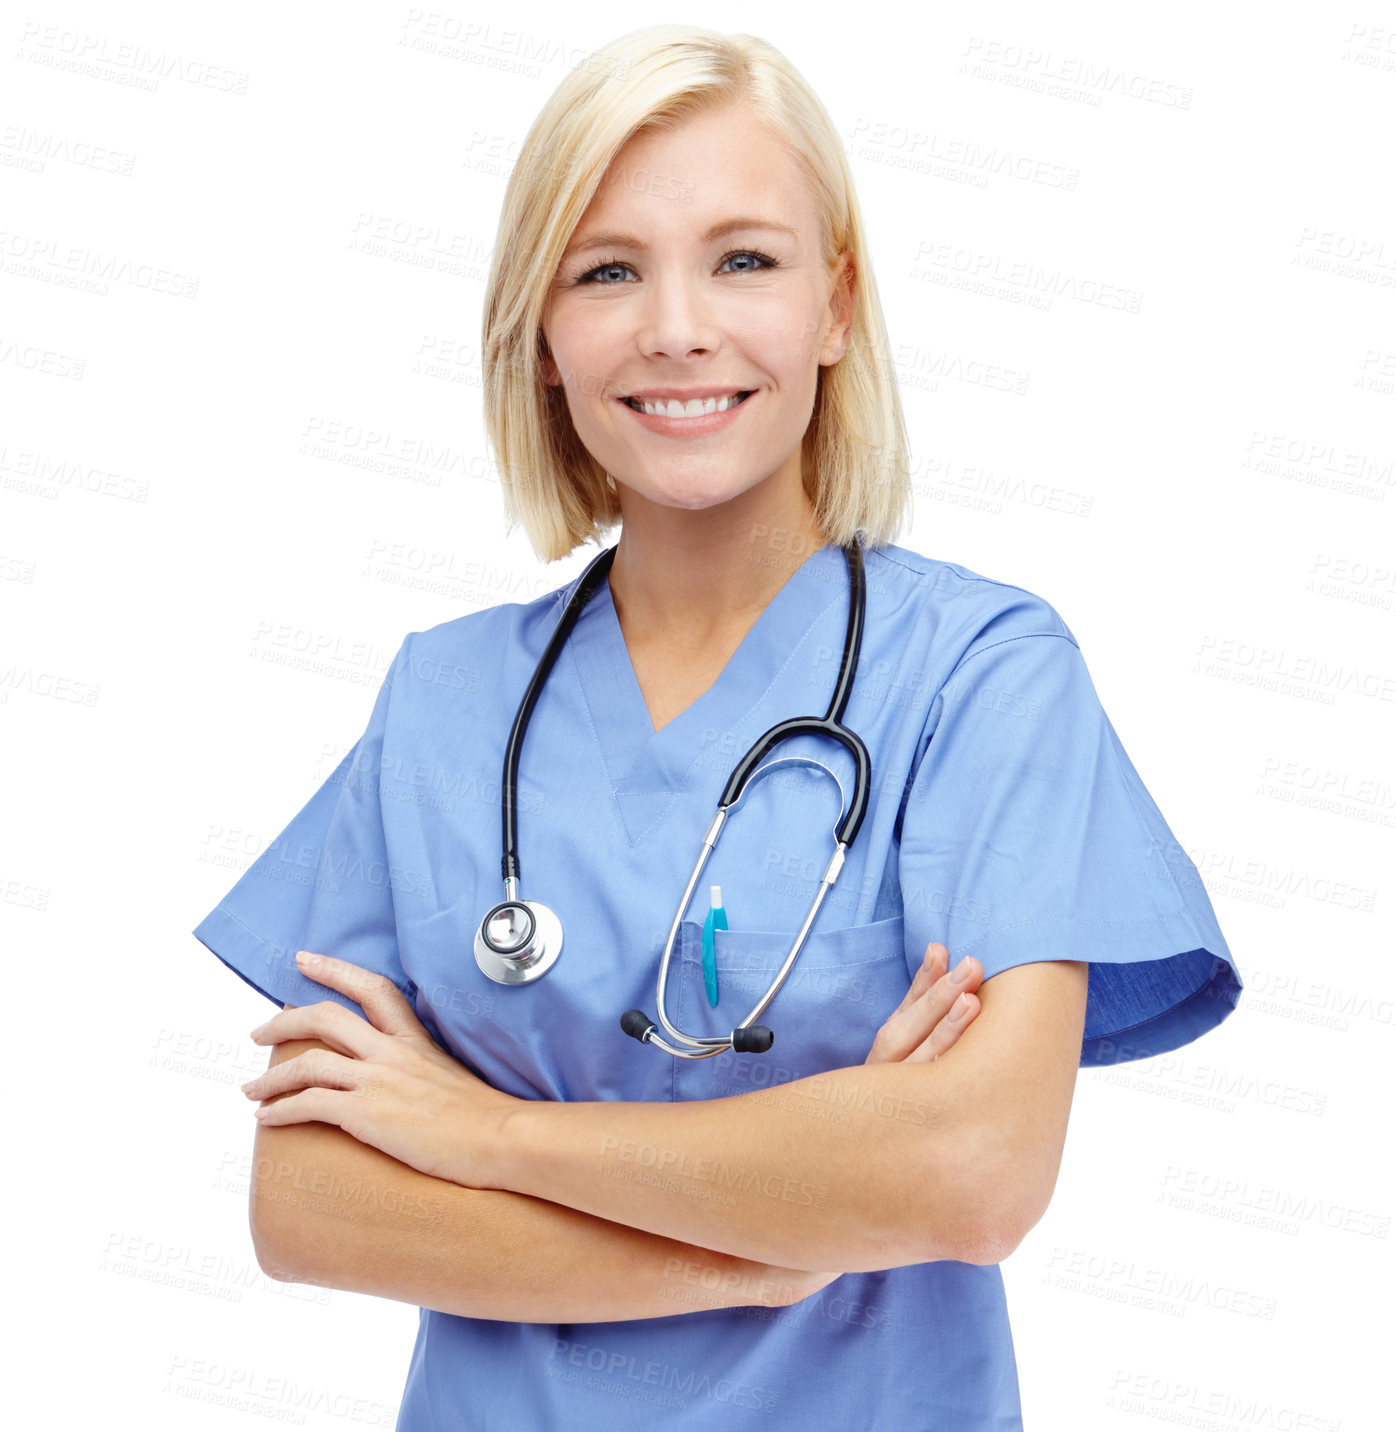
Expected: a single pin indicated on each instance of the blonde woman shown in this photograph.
(790, 1197)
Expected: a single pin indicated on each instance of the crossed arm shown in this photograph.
(870, 1167)
(946, 1144)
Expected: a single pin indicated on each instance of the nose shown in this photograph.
(678, 319)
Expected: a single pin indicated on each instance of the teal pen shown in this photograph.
(717, 920)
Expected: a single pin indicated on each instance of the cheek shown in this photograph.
(583, 358)
(785, 342)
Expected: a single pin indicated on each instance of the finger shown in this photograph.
(343, 1030)
(933, 966)
(912, 1024)
(959, 1018)
(315, 1068)
(379, 998)
(325, 1106)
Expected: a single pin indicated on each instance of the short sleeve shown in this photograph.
(325, 884)
(1028, 835)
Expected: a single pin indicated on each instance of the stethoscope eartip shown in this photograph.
(637, 1024)
(754, 1039)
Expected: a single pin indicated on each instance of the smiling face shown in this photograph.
(695, 277)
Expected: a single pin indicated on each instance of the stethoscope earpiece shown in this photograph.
(754, 1039)
(637, 1024)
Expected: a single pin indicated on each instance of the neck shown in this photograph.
(695, 577)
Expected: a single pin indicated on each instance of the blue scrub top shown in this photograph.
(1005, 820)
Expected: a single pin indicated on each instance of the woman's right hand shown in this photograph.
(923, 1026)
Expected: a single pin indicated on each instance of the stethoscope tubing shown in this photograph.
(831, 723)
(587, 584)
(518, 961)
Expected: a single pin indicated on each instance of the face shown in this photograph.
(695, 277)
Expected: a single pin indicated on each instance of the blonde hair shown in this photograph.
(854, 454)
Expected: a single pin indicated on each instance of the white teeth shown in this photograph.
(694, 408)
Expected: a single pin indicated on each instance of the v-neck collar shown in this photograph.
(647, 769)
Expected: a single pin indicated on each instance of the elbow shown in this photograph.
(274, 1256)
(994, 1243)
(277, 1242)
(272, 1263)
(1003, 1219)
(981, 1241)
(988, 1212)
(985, 1234)
(281, 1220)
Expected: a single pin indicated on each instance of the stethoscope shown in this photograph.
(519, 940)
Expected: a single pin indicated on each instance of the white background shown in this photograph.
(242, 256)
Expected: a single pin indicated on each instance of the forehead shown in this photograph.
(677, 182)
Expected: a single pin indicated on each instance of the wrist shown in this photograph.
(501, 1148)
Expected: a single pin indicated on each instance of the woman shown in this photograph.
(683, 336)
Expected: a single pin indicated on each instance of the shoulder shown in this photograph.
(961, 612)
(463, 663)
(466, 652)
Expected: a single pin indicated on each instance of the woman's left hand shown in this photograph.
(933, 1014)
(384, 1079)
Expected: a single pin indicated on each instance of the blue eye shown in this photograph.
(765, 260)
(591, 275)
(603, 274)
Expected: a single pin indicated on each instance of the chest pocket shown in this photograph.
(843, 985)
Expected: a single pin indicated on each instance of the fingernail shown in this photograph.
(307, 960)
(960, 1008)
(257, 1033)
(960, 973)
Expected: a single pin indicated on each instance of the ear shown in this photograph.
(840, 327)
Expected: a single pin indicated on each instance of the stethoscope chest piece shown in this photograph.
(518, 941)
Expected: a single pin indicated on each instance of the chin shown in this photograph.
(695, 494)
(691, 501)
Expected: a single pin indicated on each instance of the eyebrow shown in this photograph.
(718, 231)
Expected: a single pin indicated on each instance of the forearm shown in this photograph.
(859, 1169)
(331, 1211)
